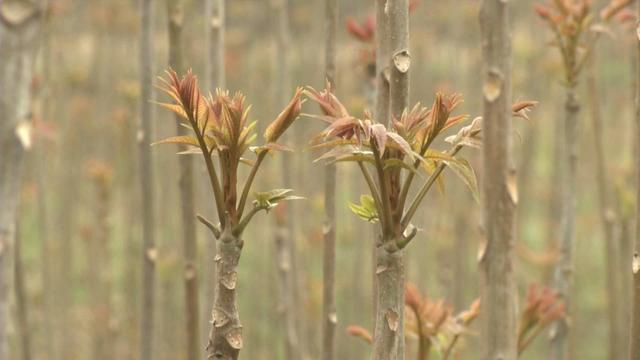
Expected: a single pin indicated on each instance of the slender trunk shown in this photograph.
(131, 247)
(554, 209)
(285, 286)
(563, 276)
(225, 336)
(45, 257)
(19, 28)
(147, 181)
(390, 309)
(626, 247)
(215, 10)
(460, 254)
(215, 72)
(329, 316)
(22, 314)
(284, 240)
(393, 98)
(39, 173)
(99, 273)
(187, 198)
(634, 342)
(381, 111)
(606, 217)
(500, 197)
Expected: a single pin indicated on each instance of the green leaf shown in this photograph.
(337, 152)
(438, 155)
(430, 166)
(269, 199)
(395, 162)
(463, 169)
(402, 143)
(334, 143)
(175, 108)
(356, 157)
(366, 210)
(182, 140)
(270, 147)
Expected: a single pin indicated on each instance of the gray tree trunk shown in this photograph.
(187, 198)
(614, 304)
(147, 184)
(329, 316)
(563, 276)
(634, 341)
(215, 74)
(284, 237)
(19, 28)
(225, 336)
(500, 197)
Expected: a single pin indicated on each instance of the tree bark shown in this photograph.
(563, 276)
(606, 217)
(500, 197)
(22, 313)
(284, 237)
(147, 184)
(225, 336)
(39, 155)
(399, 63)
(381, 109)
(187, 198)
(329, 316)
(388, 333)
(215, 73)
(100, 272)
(19, 27)
(634, 342)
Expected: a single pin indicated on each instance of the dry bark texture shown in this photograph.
(22, 311)
(634, 342)
(147, 181)
(563, 276)
(225, 336)
(19, 27)
(500, 197)
(215, 73)
(329, 316)
(607, 218)
(390, 307)
(187, 199)
(392, 62)
(284, 237)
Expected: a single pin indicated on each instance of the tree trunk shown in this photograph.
(99, 272)
(606, 217)
(187, 199)
(634, 342)
(388, 334)
(225, 336)
(285, 290)
(563, 276)
(500, 195)
(22, 314)
(399, 61)
(19, 27)
(284, 239)
(147, 184)
(40, 160)
(329, 316)
(381, 110)
(215, 72)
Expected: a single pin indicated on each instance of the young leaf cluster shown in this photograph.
(576, 30)
(391, 157)
(220, 128)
